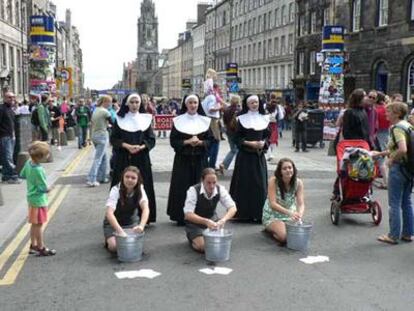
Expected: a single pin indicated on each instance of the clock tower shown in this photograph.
(148, 55)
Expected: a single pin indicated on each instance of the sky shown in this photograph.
(108, 32)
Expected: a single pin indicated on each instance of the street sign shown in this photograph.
(333, 38)
(234, 87)
(232, 69)
(186, 84)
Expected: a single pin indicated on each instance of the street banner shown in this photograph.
(42, 30)
(333, 38)
(163, 121)
(64, 81)
(232, 70)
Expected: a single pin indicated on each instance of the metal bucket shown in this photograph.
(217, 244)
(298, 235)
(129, 248)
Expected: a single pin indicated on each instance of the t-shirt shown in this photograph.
(36, 184)
(399, 135)
(114, 197)
(100, 120)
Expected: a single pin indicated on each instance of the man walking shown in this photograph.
(8, 139)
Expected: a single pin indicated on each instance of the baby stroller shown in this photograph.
(355, 194)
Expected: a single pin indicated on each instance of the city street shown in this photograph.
(362, 274)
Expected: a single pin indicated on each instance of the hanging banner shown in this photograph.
(333, 38)
(42, 30)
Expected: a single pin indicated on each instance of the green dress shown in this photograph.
(289, 202)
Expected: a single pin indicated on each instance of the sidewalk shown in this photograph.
(14, 210)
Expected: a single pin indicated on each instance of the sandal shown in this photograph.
(33, 250)
(406, 238)
(46, 252)
(386, 239)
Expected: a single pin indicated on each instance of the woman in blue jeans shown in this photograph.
(100, 138)
(399, 180)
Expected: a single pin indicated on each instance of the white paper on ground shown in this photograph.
(216, 270)
(143, 273)
(314, 259)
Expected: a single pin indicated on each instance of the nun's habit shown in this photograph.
(134, 129)
(189, 161)
(248, 186)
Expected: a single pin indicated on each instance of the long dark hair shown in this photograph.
(356, 98)
(200, 109)
(279, 178)
(124, 106)
(245, 108)
(123, 192)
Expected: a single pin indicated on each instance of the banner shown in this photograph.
(333, 38)
(163, 121)
(42, 30)
(332, 79)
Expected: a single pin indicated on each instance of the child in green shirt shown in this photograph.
(37, 190)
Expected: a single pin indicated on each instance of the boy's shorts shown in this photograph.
(37, 215)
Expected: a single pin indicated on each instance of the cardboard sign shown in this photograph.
(163, 121)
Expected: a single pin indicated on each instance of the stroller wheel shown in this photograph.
(376, 212)
(335, 212)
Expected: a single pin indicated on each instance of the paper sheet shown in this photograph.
(143, 273)
(314, 259)
(216, 270)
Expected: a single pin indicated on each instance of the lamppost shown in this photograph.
(25, 51)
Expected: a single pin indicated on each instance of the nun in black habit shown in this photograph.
(248, 186)
(190, 138)
(132, 139)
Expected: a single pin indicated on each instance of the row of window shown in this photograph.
(308, 23)
(278, 76)
(13, 12)
(302, 67)
(11, 58)
(264, 50)
(382, 14)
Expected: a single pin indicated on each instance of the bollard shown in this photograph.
(63, 139)
(22, 157)
(70, 133)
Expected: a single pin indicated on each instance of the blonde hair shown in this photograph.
(102, 99)
(211, 73)
(38, 150)
(398, 108)
(235, 98)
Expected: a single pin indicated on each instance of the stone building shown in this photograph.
(217, 38)
(148, 55)
(186, 41)
(174, 72)
(380, 45)
(129, 76)
(262, 44)
(13, 46)
(198, 34)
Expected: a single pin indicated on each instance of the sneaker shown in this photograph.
(46, 252)
(104, 181)
(92, 184)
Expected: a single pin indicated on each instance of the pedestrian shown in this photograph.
(101, 117)
(126, 207)
(301, 120)
(42, 113)
(82, 118)
(8, 139)
(400, 181)
(200, 208)
(132, 139)
(248, 185)
(273, 111)
(55, 116)
(230, 123)
(285, 200)
(190, 138)
(37, 199)
(382, 136)
(281, 114)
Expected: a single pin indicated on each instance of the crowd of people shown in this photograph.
(253, 128)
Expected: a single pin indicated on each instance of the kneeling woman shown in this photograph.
(200, 208)
(127, 207)
(284, 200)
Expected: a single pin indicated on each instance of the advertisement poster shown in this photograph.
(163, 121)
(332, 79)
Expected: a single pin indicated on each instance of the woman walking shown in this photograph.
(132, 138)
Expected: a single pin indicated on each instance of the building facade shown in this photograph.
(186, 42)
(148, 55)
(198, 34)
(263, 41)
(174, 72)
(13, 47)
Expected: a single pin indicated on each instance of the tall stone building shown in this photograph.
(147, 58)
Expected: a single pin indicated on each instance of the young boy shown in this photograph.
(37, 190)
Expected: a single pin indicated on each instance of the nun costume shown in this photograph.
(132, 139)
(248, 186)
(190, 138)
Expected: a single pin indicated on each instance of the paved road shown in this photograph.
(362, 274)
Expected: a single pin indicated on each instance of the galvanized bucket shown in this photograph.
(129, 248)
(217, 244)
(298, 235)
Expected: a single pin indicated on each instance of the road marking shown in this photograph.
(14, 270)
(73, 165)
(11, 248)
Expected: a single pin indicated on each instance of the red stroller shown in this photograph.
(355, 197)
